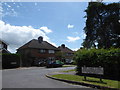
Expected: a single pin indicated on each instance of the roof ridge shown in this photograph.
(6, 50)
(27, 44)
(66, 49)
(51, 44)
(69, 48)
(35, 44)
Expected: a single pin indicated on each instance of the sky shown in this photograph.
(58, 23)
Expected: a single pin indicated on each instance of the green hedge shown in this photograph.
(10, 61)
(109, 59)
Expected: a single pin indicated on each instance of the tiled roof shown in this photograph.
(66, 49)
(4, 51)
(35, 44)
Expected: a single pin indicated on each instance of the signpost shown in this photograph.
(93, 70)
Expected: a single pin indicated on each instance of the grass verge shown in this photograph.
(90, 80)
(69, 70)
(68, 65)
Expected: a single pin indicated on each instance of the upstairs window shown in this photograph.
(42, 51)
(1, 46)
(69, 54)
(51, 51)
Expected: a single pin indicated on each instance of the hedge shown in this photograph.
(108, 59)
(10, 61)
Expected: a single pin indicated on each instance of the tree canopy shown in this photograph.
(102, 25)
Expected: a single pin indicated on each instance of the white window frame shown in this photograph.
(1, 46)
(51, 51)
(42, 50)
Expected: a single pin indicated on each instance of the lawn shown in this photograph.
(68, 65)
(69, 70)
(95, 81)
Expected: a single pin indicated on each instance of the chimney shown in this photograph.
(63, 45)
(40, 39)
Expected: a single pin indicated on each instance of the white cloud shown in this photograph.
(9, 6)
(45, 29)
(75, 33)
(1, 11)
(75, 49)
(83, 35)
(17, 36)
(18, 6)
(11, 12)
(72, 39)
(70, 26)
(35, 4)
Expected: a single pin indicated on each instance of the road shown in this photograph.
(33, 77)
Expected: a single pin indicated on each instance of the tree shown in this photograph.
(60, 55)
(102, 25)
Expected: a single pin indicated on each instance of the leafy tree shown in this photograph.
(60, 55)
(102, 25)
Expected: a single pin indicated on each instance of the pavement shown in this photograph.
(34, 77)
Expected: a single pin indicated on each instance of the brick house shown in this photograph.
(7, 59)
(36, 51)
(67, 54)
(3, 47)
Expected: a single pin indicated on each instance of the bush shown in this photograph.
(10, 61)
(108, 59)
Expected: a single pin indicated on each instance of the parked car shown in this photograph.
(39, 63)
(69, 61)
(54, 63)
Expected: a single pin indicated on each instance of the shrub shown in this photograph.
(108, 59)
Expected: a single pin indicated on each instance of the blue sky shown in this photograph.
(58, 22)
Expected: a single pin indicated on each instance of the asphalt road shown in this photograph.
(33, 77)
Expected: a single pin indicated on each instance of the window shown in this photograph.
(51, 58)
(51, 51)
(69, 54)
(1, 46)
(42, 51)
(13, 62)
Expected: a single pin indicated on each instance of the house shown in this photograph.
(67, 54)
(7, 59)
(36, 51)
(3, 47)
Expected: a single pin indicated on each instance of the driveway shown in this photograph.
(33, 77)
